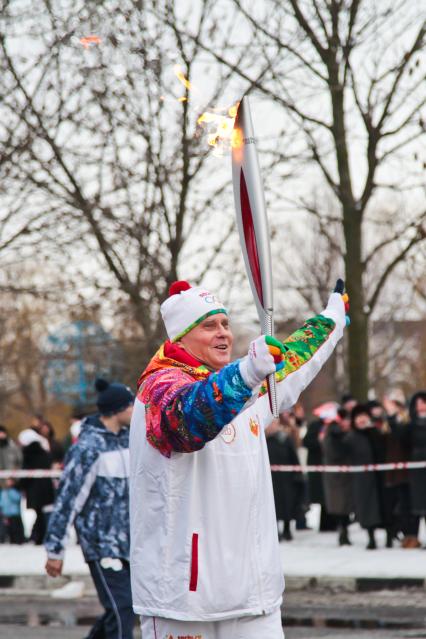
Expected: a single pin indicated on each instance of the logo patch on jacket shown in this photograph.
(228, 433)
(254, 426)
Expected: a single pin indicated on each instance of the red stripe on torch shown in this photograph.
(250, 237)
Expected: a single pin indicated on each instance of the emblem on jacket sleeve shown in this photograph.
(254, 426)
(228, 433)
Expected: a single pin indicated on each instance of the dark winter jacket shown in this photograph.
(397, 450)
(288, 487)
(312, 443)
(364, 448)
(39, 492)
(337, 486)
(57, 451)
(413, 435)
(93, 494)
(10, 457)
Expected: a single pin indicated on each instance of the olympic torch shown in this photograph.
(253, 225)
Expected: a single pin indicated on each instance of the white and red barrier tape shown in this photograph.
(31, 474)
(361, 468)
(323, 468)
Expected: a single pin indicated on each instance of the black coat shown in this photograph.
(312, 443)
(288, 487)
(39, 492)
(417, 478)
(364, 448)
(413, 434)
(337, 486)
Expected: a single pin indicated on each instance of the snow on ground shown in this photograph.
(29, 560)
(310, 554)
(313, 554)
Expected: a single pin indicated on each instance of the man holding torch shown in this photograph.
(205, 559)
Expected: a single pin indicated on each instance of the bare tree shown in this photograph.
(99, 139)
(104, 169)
(349, 75)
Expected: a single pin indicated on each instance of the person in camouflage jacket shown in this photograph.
(93, 495)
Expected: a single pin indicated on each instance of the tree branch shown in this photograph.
(419, 237)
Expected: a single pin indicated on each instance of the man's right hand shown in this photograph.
(53, 567)
(265, 356)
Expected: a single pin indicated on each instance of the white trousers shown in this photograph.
(262, 627)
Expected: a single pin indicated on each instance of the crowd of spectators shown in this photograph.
(36, 448)
(351, 433)
(348, 433)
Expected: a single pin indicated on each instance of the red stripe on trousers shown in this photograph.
(194, 563)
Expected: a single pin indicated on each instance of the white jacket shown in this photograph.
(204, 542)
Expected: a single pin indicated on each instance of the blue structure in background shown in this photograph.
(77, 353)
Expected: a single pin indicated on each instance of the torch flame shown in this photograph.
(219, 127)
(232, 111)
(182, 77)
(86, 41)
(221, 134)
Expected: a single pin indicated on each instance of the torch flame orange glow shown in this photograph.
(220, 129)
(182, 77)
(90, 39)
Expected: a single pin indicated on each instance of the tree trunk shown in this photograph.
(358, 330)
(352, 227)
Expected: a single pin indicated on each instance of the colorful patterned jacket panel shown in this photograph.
(303, 345)
(93, 495)
(187, 407)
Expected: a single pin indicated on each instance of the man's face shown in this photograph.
(125, 416)
(211, 341)
(420, 407)
(362, 421)
(377, 412)
(44, 430)
(349, 405)
(36, 423)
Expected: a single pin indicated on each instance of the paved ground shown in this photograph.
(326, 594)
(308, 614)
(45, 632)
(323, 633)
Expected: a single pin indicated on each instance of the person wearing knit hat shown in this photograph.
(410, 431)
(93, 495)
(363, 443)
(112, 398)
(205, 558)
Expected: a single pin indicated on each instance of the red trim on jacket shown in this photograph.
(194, 563)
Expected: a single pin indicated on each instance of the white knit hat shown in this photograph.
(186, 308)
